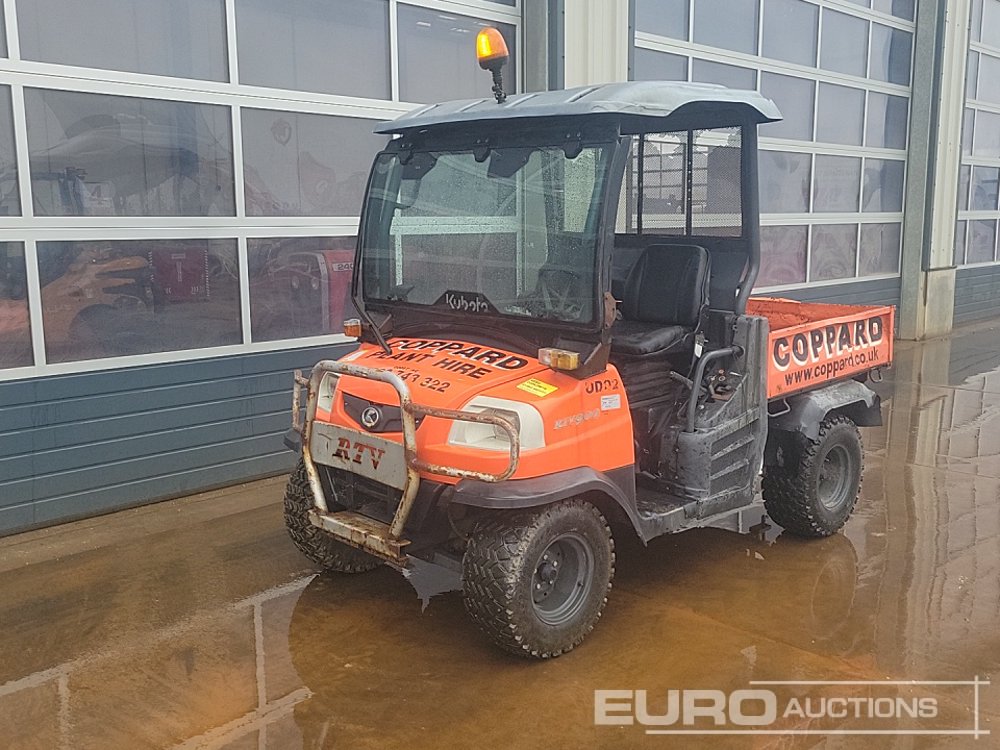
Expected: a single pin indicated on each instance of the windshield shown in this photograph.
(510, 231)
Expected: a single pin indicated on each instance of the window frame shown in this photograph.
(31, 229)
(813, 148)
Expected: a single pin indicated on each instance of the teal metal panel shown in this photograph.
(78, 445)
(864, 292)
(977, 293)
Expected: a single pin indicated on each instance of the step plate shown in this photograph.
(362, 532)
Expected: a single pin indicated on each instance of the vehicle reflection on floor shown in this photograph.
(195, 623)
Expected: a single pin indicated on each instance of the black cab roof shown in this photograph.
(638, 102)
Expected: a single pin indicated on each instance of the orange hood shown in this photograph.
(439, 372)
(585, 422)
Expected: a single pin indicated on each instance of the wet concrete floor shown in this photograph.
(195, 623)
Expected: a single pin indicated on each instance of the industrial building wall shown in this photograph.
(977, 282)
(83, 444)
(977, 293)
(180, 186)
(832, 171)
(882, 291)
(254, 142)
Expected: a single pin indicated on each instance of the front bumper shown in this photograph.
(391, 463)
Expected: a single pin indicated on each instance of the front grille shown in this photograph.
(391, 419)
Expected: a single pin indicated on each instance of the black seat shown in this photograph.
(635, 338)
(665, 296)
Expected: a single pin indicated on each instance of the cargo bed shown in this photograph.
(814, 343)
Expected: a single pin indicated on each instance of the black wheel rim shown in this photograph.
(561, 583)
(835, 477)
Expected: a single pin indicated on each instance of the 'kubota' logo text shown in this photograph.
(356, 451)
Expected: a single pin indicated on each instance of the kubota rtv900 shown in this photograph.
(558, 346)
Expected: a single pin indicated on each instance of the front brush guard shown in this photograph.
(386, 461)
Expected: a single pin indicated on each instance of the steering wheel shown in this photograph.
(557, 295)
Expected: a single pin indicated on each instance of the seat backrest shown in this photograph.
(668, 285)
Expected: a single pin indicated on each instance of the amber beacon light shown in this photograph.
(491, 51)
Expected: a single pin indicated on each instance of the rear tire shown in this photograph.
(536, 581)
(813, 487)
(312, 542)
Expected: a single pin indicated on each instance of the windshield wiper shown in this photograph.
(376, 331)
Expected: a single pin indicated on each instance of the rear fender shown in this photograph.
(807, 410)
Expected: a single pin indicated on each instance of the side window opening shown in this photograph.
(684, 183)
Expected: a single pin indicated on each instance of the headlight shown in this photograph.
(526, 420)
(327, 387)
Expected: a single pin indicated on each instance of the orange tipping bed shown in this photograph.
(814, 343)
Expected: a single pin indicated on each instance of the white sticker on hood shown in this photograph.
(352, 356)
(611, 402)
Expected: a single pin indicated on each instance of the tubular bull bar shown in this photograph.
(377, 458)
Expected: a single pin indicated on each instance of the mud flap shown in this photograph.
(807, 410)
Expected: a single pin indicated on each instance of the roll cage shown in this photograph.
(635, 119)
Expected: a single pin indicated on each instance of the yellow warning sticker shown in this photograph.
(537, 387)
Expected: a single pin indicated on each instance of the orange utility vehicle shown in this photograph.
(558, 346)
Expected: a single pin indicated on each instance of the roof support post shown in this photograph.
(597, 42)
(941, 45)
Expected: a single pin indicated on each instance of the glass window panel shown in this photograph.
(991, 23)
(732, 76)
(833, 252)
(841, 114)
(836, 182)
(887, 120)
(782, 255)
(663, 17)
(183, 38)
(883, 185)
(964, 178)
(10, 199)
(890, 54)
(329, 46)
(102, 155)
(844, 47)
(306, 165)
(15, 332)
(879, 252)
(986, 139)
(795, 99)
(790, 31)
(299, 286)
(959, 255)
(729, 24)
(981, 242)
(784, 182)
(125, 297)
(650, 65)
(976, 22)
(435, 56)
(989, 79)
(899, 8)
(972, 75)
(985, 188)
(484, 256)
(3, 36)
